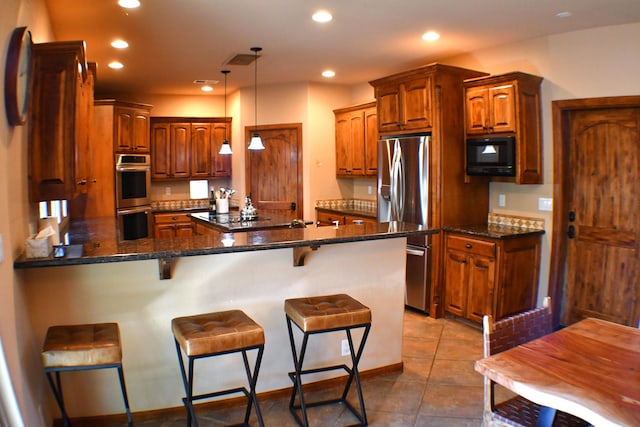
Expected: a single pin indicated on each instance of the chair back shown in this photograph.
(517, 329)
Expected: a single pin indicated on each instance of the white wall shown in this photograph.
(582, 64)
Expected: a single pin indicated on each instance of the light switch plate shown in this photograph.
(545, 204)
(502, 200)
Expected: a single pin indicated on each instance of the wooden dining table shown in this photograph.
(590, 369)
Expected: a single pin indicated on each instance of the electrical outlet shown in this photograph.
(167, 191)
(345, 348)
(545, 204)
(502, 200)
(369, 190)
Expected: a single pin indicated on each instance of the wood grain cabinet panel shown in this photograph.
(507, 105)
(356, 141)
(59, 113)
(132, 127)
(184, 148)
(491, 276)
(172, 224)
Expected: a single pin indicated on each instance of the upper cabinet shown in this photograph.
(356, 141)
(183, 148)
(132, 128)
(508, 104)
(60, 112)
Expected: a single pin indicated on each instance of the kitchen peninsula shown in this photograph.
(252, 271)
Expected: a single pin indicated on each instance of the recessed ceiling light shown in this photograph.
(328, 73)
(115, 65)
(430, 36)
(322, 16)
(129, 4)
(563, 14)
(206, 88)
(120, 44)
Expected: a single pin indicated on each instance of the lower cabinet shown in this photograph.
(329, 218)
(491, 276)
(169, 225)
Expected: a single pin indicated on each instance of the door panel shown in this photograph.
(274, 175)
(603, 175)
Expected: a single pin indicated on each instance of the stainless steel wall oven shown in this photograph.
(133, 195)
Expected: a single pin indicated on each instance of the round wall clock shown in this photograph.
(17, 76)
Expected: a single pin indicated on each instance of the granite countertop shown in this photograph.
(94, 241)
(493, 231)
(367, 213)
(233, 222)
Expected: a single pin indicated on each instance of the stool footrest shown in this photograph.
(242, 390)
(322, 369)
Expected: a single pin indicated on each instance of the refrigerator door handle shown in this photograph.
(396, 178)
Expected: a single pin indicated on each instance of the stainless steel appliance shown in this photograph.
(403, 196)
(494, 156)
(133, 198)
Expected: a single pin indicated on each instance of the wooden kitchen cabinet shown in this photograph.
(329, 218)
(132, 127)
(172, 224)
(429, 100)
(188, 148)
(60, 111)
(506, 105)
(491, 276)
(356, 141)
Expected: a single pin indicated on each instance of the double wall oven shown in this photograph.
(133, 198)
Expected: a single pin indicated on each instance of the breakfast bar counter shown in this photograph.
(111, 281)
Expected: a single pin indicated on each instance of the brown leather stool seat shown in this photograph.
(82, 347)
(321, 314)
(214, 334)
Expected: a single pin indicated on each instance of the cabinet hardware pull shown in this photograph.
(468, 246)
(82, 182)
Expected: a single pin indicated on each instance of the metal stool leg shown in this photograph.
(124, 396)
(253, 379)
(57, 393)
(297, 377)
(188, 386)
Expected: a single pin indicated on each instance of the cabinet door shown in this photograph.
(417, 104)
(52, 128)
(164, 231)
(124, 123)
(476, 110)
(200, 150)
(456, 272)
(184, 229)
(480, 287)
(140, 132)
(180, 147)
(343, 144)
(221, 163)
(502, 108)
(160, 151)
(388, 97)
(371, 141)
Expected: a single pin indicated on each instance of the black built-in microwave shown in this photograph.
(493, 156)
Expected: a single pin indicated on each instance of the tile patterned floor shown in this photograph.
(438, 386)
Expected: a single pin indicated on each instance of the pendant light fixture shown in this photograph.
(226, 147)
(256, 141)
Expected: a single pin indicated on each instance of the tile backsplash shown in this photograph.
(516, 221)
(355, 204)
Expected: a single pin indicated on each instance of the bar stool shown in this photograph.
(215, 334)
(82, 347)
(316, 315)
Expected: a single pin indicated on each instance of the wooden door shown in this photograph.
(371, 141)
(140, 131)
(502, 105)
(476, 109)
(482, 273)
(274, 175)
(221, 163)
(456, 278)
(160, 151)
(417, 108)
(596, 223)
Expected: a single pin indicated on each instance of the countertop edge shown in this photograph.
(500, 233)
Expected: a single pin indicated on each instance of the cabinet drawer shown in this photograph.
(473, 246)
(171, 218)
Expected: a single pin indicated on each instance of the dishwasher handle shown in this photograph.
(417, 250)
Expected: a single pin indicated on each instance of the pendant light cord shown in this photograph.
(255, 88)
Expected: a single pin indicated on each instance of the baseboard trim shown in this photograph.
(178, 411)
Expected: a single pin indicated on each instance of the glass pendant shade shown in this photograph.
(225, 149)
(256, 142)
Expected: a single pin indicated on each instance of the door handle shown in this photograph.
(293, 206)
(572, 216)
(572, 232)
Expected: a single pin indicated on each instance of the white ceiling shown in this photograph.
(174, 42)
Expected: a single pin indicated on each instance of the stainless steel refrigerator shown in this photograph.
(403, 196)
